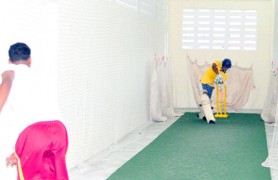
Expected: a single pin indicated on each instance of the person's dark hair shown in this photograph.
(227, 63)
(19, 51)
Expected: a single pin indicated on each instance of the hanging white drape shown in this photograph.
(161, 98)
(239, 84)
(272, 158)
(270, 106)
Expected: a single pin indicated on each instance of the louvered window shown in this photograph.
(219, 29)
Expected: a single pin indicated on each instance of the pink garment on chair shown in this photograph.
(42, 148)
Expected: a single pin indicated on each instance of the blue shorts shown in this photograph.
(208, 88)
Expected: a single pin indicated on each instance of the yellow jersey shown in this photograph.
(209, 75)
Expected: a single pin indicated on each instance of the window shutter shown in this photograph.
(219, 29)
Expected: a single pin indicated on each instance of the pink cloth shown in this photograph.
(41, 148)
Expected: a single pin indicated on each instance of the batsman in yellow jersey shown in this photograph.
(216, 74)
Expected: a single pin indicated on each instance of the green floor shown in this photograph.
(191, 149)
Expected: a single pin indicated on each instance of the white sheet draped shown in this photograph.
(161, 97)
(269, 110)
(239, 84)
(270, 116)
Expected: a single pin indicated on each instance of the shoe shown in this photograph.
(204, 118)
(211, 122)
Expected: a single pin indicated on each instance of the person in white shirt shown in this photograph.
(36, 132)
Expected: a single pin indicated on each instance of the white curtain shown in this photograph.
(239, 84)
(272, 158)
(269, 110)
(161, 96)
(268, 114)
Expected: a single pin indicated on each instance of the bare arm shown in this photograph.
(214, 68)
(5, 86)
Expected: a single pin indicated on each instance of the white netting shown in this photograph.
(270, 113)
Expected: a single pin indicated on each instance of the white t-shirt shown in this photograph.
(28, 102)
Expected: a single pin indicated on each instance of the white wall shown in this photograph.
(105, 57)
(260, 59)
